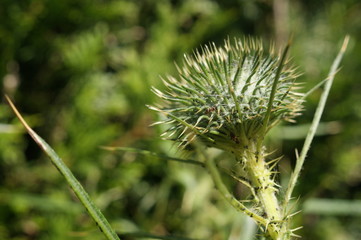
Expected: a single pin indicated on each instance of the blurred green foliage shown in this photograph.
(81, 71)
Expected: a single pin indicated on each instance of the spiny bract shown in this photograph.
(222, 94)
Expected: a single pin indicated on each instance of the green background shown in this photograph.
(81, 72)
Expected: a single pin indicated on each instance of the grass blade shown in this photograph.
(78, 189)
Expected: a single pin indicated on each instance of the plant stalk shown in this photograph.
(260, 176)
(216, 177)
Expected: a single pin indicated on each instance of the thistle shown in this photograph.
(224, 95)
(229, 98)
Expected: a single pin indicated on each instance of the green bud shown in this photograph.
(222, 95)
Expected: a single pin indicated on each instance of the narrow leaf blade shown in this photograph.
(78, 189)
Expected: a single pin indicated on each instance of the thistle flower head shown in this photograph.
(224, 95)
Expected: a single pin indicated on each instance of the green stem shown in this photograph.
(261, 179)
(216, 177)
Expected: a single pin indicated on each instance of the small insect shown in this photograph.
(211, 109)
(234, 138)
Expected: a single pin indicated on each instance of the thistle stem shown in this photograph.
(262, 183)
(261, 179)
(216, 177)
